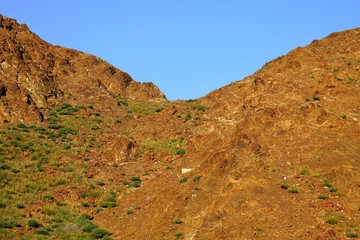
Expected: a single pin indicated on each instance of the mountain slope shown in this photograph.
(275, 155)
(294, 123)
(35, 75)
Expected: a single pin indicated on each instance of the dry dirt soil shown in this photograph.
(273, 156)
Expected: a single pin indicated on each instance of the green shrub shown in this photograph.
(196, 178)
(33, 223)
(178, 221)
(332, 220)
(323, 197)
(97, 120)
(94, 127)
(122, 102)
(43, 231)
(85, 204)
(9, 223)
(352, 234)
(304, 171)
(21, 125)
(183, 180)
(100, 183)
(293, 190)
(199, 108)
(86, 216)
(179, 235)
(66, 109)
(180, 152)
(99, 233)
(20, 205)
(2, 204)
(97, 210)
(135, 178)
(284, 186)
(89, 227)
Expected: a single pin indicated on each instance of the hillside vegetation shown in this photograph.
(86, 152)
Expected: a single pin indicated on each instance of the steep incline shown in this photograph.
(35, 74)
(273, 156)
(293, 124)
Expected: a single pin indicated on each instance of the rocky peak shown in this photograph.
(35, 75)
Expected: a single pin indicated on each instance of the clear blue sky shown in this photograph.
(186, 47)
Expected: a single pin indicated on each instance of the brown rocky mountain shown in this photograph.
(35, 75)
(273, 156)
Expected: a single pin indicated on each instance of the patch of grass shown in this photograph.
(284, 185)
(146, 108)
(135, 182)
(43, 231)
(187, 117)
(293, 190)
(36, 153)
(94, 127)
(305, 171)
(33, 223)
(100, 183)
(9, 223)
(20, 206)
(122, 102)
(178, 235)
(180, 152)
(166, 146)
(351, 234)
(183, 180)
(196, 178)
(198, 108)
(66, 109)
(332, 220)
(323, 197)
(316, 98)
(329, 185)
(99, 233)
(178, 221)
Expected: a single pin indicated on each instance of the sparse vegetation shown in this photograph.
(178, 221)
(305, 171)
(293, 190)
(179, 235)
(332, 220)
(183, 180)
(33, 223)
(316, 98)
(263, 145)
(196, 178)
(351, 234)
(323, 197)
(329, 185)
(35, 152)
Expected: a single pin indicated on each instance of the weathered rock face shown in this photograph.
(292, 124)
(35, 74)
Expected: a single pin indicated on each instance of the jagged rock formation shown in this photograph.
(273, 156)
(35, 74)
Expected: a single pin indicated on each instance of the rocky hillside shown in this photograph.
(273, 156)
(36, 75)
